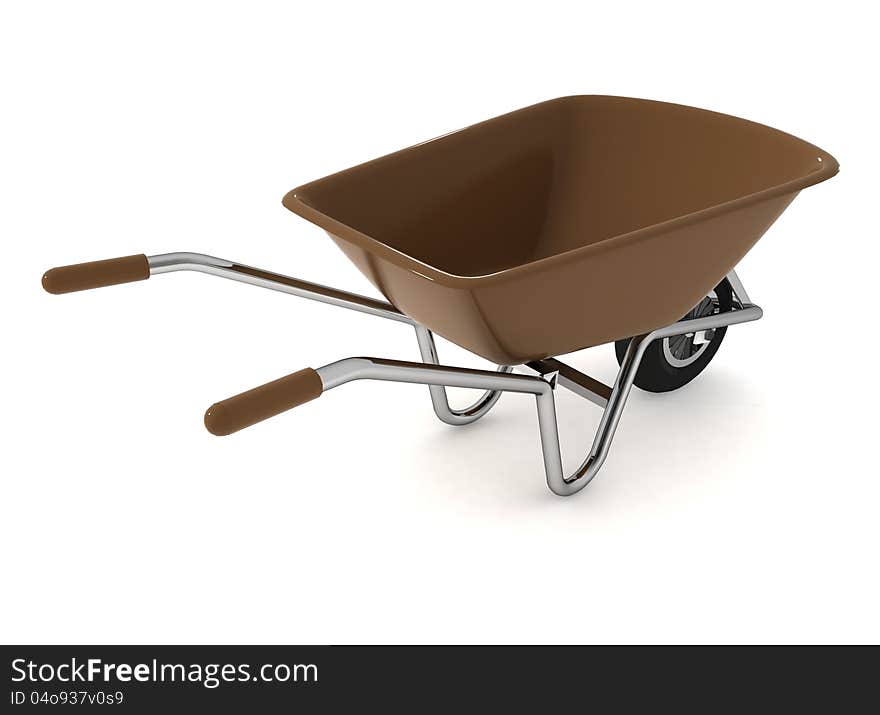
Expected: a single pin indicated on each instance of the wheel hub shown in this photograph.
(682, 350)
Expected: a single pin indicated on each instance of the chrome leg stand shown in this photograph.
(438, 393)
(343, 371)
(566, 486)
(556, 480)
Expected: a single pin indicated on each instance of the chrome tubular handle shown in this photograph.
(97, 274)
(170, 262)
(369, 368)
(273, 398)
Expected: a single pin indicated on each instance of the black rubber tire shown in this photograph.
(656, 374)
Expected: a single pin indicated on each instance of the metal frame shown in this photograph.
(550, 372)
(439, 398)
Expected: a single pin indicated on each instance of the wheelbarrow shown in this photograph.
(571, 223)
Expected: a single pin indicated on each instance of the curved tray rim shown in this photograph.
(827, 167)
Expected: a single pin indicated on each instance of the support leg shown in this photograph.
(439, 399)
(556, 480)
(566, 486)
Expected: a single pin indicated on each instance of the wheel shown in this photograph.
(673, 362)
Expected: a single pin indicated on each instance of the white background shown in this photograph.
(742, 508)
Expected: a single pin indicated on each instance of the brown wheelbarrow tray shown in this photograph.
(572, 223)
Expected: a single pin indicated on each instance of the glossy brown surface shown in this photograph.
(567, 224)
(96, 274)
(263, 402)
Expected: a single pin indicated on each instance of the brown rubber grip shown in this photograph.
(97, 274)
(263, 402)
